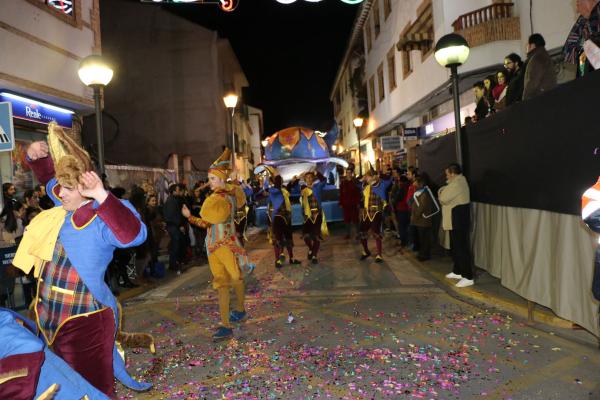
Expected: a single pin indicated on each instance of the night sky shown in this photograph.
(289, 53)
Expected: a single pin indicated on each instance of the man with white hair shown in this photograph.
(587, 27)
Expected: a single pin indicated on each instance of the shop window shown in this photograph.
(380, 83)
(391, 63)
(372, 92)
(387, 8)
(376, 20)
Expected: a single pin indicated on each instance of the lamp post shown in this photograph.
(230, 101)
(451, 51)
(358, 123)
(96, 73)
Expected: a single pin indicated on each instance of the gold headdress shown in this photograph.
(70, 160)
(222, 165)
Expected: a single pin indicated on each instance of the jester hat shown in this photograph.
(222, 165)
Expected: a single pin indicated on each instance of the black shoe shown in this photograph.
(378, 259)
(293, 261)
(314, 260)
(310, 256)
(365, 255)
(421, 258)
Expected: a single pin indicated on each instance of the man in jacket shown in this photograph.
(424, 207)
(514, 66)
(539, 75)
(174, 221)
(587, 27)
(455, 199)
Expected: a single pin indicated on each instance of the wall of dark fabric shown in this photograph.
(540, 154)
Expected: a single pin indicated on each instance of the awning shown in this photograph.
(414, 41)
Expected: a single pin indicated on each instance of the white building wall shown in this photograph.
(42, 52)
(551, 18)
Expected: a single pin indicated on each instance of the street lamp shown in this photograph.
(96, 73)
(451, 51)
(358, 123)
(230, 101)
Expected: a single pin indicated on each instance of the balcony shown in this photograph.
(489, 24)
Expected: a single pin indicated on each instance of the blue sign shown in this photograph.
(36, 111)
(7, 133)
(411, 133)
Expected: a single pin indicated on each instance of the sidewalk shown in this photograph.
(489, 291)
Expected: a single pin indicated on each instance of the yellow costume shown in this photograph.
(226, 256)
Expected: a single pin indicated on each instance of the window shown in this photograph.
(63, 6)
(406, 64)
(376, 21)
(380, 84)
(424, 27)
(368, 35)
(372, 92)
(391, 63)
(387, 8)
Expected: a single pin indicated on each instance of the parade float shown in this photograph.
(296, 150)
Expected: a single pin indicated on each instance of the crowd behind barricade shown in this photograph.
(171, 240)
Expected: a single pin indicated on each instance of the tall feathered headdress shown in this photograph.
(70, 160)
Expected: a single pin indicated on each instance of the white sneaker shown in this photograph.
(452, 275)
(464, 282)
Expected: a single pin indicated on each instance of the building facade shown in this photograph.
(407, 88)
(165, 105)
(46, 41)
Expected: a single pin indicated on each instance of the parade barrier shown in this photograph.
(333, 213)
(528, 167)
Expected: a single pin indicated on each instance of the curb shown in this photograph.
(492, 301)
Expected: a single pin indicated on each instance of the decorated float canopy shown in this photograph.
(296, 150)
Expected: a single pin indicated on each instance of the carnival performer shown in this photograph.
(349, 200)
(314, 226)
(30, 370)
(374, 202)
(70, 247)
(279, 211)
(590, 214)
(226, 255)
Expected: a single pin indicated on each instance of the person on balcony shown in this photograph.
(482, 109)
(587, 27)
(499, 91)
(515, 69)
(539, 74)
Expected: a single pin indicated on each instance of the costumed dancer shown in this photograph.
(69, 247)
(349, 200)
(226, 255)
(374, 202)
(30, 370)
(314, 219)
(241, 215)
(279, 211)
(590, 214)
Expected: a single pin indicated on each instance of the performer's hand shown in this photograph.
(37, 150)
(90, 186)
(185, 211)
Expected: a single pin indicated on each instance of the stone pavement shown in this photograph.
(361, 330)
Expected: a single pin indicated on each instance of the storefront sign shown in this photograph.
(7, 132)
(391, 143)
(411, 133)
(36, 111)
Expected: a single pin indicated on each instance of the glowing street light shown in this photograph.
(230, 101)
(451, 51)
(96, 73)
(358, 123)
